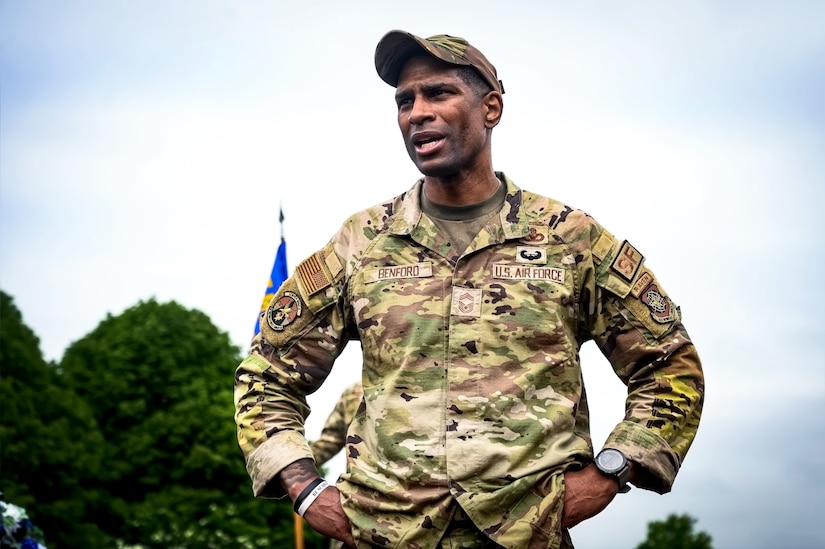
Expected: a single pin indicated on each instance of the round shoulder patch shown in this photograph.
(661, 308)
(283, 311)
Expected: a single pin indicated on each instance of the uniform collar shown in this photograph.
(514, 223)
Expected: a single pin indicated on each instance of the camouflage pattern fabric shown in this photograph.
(473, 392)
(334, 433)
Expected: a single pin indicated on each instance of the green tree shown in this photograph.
(675, 532)
(158, 378)
(50, 447)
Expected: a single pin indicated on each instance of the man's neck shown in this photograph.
(461, 189)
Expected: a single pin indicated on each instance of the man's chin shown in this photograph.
(434, 169)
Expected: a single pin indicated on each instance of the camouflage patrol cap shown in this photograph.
(396, 47)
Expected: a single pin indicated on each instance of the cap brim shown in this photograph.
(393, 50)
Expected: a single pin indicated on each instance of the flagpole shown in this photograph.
(299, 531)
(278, 275)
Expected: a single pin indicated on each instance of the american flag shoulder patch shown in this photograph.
(313, 273)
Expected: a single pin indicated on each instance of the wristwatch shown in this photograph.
(612, 463)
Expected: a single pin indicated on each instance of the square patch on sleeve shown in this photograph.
(627, 262)
(313, 274)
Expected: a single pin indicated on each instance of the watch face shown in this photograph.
(610, 460)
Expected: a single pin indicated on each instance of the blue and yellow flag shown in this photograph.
(276, 278)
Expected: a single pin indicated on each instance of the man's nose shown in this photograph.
(420, 112)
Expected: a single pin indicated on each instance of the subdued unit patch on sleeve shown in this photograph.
(607, 251)
(621, 271)
(641, 283)
(651, 306)
(627, 262)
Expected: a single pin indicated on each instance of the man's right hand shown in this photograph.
(325, 515)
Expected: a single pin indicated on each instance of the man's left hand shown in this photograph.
(586, 493)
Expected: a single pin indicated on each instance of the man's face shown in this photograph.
(441, 118)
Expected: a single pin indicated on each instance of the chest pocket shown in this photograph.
(384, 295)
(529, 302)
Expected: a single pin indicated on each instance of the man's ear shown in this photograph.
(493, 107)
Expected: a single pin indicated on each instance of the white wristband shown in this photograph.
(310, 499)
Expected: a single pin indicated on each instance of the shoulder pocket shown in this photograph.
(620, 270)
(617, 264)
(313, 287)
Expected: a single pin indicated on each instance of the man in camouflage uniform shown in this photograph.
(334, 433)
(471, 298)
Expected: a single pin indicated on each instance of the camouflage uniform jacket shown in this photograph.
(472, 383)
(334, 434)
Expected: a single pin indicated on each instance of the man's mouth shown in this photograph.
(427, 145)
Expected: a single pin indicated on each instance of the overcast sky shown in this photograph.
(145, 148)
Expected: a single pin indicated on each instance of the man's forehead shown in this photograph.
(420, 71)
